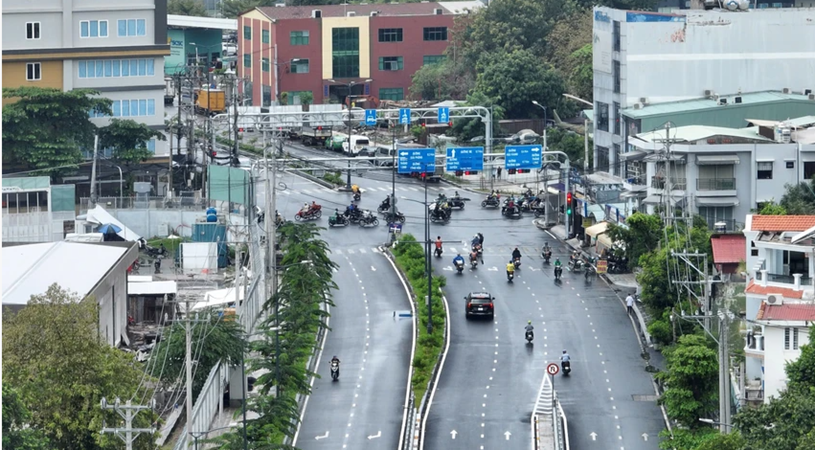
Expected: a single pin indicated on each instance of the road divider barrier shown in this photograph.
(550, 430)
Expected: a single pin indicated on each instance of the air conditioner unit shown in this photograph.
(786, 91)
(438, 11)
(644, 100)
(722, 101)
(709, 93)
(316, 13)
(775, 299)
(374, 13)
(350, 14)
(737, 100)
(811, 96)
(637, 105)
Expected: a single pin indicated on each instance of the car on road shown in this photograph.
(479, 304)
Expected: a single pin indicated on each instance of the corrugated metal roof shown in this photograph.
(797, 312)
(151, 287)
(382, 9)
(710, 103)
(692, 133)
(728, 248)
(33, 183)
(74, 266)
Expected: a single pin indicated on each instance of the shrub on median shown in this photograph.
(410, 258)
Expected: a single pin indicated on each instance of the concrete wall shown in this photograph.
(776, 358)
(111, 295)
(151, 223)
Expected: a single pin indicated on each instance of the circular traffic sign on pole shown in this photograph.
(552, 369)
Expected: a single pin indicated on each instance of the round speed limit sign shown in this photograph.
(552, 369)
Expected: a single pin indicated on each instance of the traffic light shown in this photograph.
(424, 174)
(568, 203)
(511, 171)
(460, 173)
(471, 172)
(523, 170)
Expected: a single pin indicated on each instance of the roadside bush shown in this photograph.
(410, 258)
(334, 178)
(660, 330)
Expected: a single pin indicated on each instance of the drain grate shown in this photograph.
(644, 398)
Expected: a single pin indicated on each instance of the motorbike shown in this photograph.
(479, 250)
(384, 207)
(368, 219)
(279, 221)
(353, 216)
(458, 202)
(576, 265)
(558, 272)
(439, 216)
(339, 221)
(513, 212)
(589, 272)
(397, 217)
(510, 276)
(566, 367)
(357, 196)
(312, 214)
(473, 262)
(529, 336)
(491, 202)
(517, 262)
(546, 255)
(335, 370)
(538, 210)
(438, 252)
(460, 266)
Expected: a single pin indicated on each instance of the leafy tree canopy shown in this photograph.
(799, 199)
(187, 8)
(46, 128)
(515, 79)
(581, 73)
(17, 432)
(641, 234)
(128, 139)
(466, 129)
(773, 209)
(691, 381)
(54, 358)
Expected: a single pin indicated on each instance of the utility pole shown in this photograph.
(93, 169)
(128, 413)
(236, 145)
(189, 362)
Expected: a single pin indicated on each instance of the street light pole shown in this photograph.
(545, 122)
(429, 259)
(349, 85)
(585, 132)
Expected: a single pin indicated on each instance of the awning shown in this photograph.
(657, 199)
(596, 229)
(633, 194)
(633, 155)
(713, 160)
(598, 212)
(717, 201)
(662, 157)
(604, 240)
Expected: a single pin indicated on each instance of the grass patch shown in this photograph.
(410, 258)
(334, 178)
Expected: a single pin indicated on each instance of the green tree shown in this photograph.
(216, 340)
(581, 73)
(717, 441)
(783, 424)
(641, 234)
(466, 129)
(691, 381)
(568, 35)
(187, 8)
(306, 98)
(54, 357)
(801, 372)
(128, 139)
(17, 432)
(47, 128)
(515, 79)
(799, 199)
(569, 142)
(773, 209)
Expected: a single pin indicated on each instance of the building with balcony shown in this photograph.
(298, 49)
(34, 210)
(193, 37)
(649, 58)
(780, 302)
(71, 44)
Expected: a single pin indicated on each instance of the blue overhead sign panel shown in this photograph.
(417, 160)
(444, 115)
(465, 158)
(370, 117)
(522, 157)
(404, 116)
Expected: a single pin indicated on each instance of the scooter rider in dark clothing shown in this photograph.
(516, 254)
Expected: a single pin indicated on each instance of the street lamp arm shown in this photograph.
(573, 97)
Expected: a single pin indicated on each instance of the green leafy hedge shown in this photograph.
(410, 258)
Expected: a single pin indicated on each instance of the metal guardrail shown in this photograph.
(410, 430)
(182, 203)
(550, 430)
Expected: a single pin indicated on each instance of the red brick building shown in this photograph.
(300, 49)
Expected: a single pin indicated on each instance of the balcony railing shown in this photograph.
(678, 184)
(716, 184)
(755, 343)
(780, 278)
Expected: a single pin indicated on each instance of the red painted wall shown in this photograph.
(412, 49)
(311, 81)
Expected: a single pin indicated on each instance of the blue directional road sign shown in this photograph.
(417, 160)
(404, 116)
(522, 157)
(444, 115)
(370, 117)
(465, 158)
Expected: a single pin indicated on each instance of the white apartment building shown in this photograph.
(117, 48)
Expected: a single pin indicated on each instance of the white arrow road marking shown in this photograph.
(453, 434)
(645, 436)
(593, 436)
(374, 436)
(448, 268)
(493, 269)
(507, 434)
(373, 268)
(321, 437)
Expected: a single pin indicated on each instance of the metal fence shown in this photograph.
(183, 203)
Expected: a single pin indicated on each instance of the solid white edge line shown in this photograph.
(552, 235)
(412, 347)
(313, 377)
(441, 367)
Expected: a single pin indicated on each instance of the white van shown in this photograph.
(358, 144)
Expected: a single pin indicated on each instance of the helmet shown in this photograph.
(564, 351)
(459, 254)
(529, 322)
(335, 356)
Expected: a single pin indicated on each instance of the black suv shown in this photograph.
(479, 304)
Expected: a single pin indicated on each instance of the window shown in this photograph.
(617, 163)
(617, 119)
(715, 214)
(299, 66)
(265, 95)
(790, 164)
(247, 32)
(390, 35)
(790, 338)
(391, 63)
(133, 108)
(716, 177)
(602, 158)
(247, 60)
(90, 28)
(298, 38)
(432, 59)
(435, 34)
(615, 69)
(345, 52)
(33, 72)
(616, 36)
(150, 145)
(113, 68)
(765, 170)
(602, 116)
(264, 64)
(264, 36)
(32, 30)
(131, 27)
(395, 94)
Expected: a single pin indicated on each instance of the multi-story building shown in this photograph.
(780, 306)
(323, 49)
(70, 44)
(644, 58)
(721, 173)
